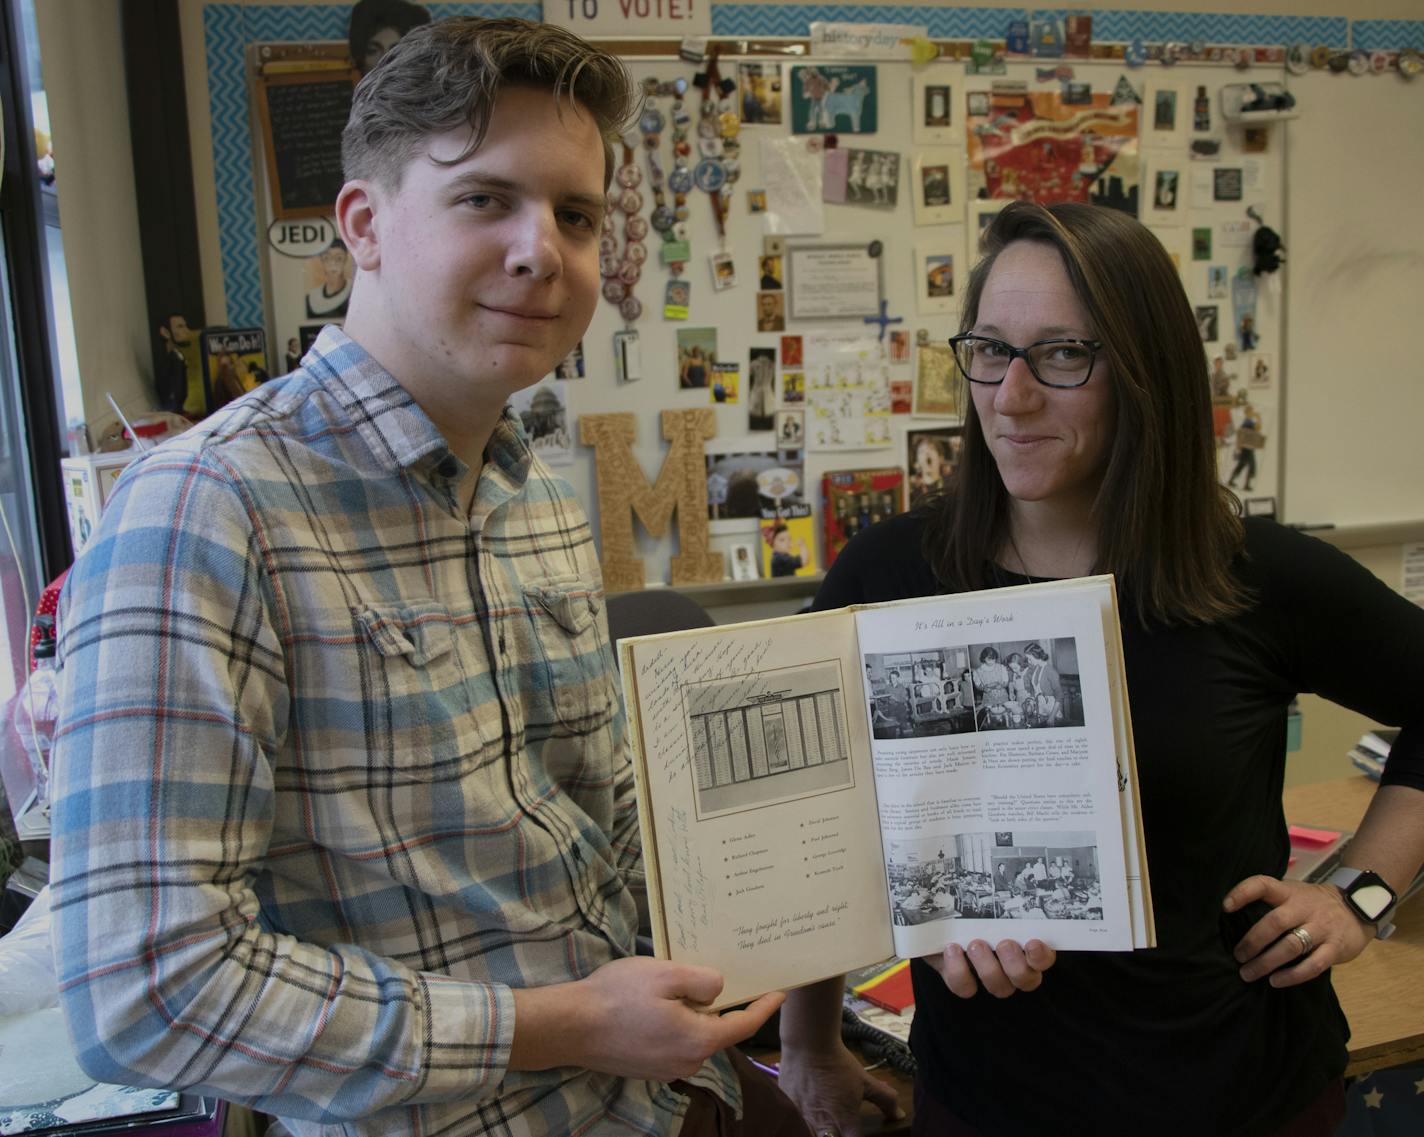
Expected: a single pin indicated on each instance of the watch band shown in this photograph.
(1349, 880)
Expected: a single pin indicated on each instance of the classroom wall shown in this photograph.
(81, 52)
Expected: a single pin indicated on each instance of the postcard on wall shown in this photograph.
(937, 262)
(932, 107)
(885, 781)
(872, 178)
(939, 186)
(937, 382)
(544, 411)
(1164, 113)
(760, 87)
(1166, 187)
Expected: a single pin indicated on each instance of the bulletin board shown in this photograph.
(923, 229)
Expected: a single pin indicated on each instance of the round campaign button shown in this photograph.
(614, 290)
(652, 121)
(630, 272)
(680, 180)
(1359, 62)
(1298, 58)
(679, 85)
(1320, 57)
(629, 176)
(637, 228)
(1379, 62)
(709, 175)
(662, 219)
(710, 147)
(608, 265)
(631, 308)
(637, 252)
(630, 201)
(607, 244)
(729, 123)
(1410, 63)
(1135, 53)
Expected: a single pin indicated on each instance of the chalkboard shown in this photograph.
(303, 114)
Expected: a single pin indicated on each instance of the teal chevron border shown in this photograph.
(1388, 35)
(229, 28)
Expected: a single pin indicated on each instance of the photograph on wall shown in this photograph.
(770, 278)
(1207, 322)
(724, 271)
(329, 275)
(759, 85)
(234, 362)
(939, 187)
(544, 411)
(854, 500)
(770, 311)
(899, 341)
(902, 394)
(937, 383)
(1201, 244)
(1033, 145)
(833, 98)
(931, 456)
(1217, 283)
(726, 382)
(1241, 459)
(791, 351)
(872, 177)
(742, 560)
(1226, 183)
(790, 429)
(696, 353)
(1167, 197)
(788, 546)
(1260, 370)
(572, 365)
(934, 278)
(761, 388)
(1164, 121)
(793, 388)
(750, 478)
(932, 108)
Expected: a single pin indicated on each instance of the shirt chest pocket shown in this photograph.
(422, 716)
(571, 647)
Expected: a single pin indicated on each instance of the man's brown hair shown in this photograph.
(1167, 528)
(450, 73)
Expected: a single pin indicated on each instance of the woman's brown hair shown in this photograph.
(1168, 530)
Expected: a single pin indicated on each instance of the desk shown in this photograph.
(1380, 991)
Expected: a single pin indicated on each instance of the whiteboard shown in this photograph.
(1355, 298)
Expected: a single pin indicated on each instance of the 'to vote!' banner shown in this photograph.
(625, 18)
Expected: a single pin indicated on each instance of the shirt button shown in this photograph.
(449, 466)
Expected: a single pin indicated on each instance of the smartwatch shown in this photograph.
(1368, 896)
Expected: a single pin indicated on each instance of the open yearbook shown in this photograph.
(820, 792)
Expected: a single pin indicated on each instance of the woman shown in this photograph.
(1229, 1026)
(991, 679)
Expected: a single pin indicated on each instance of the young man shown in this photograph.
(346, 828)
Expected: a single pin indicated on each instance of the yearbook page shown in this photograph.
(757, 801)
(1004, 768)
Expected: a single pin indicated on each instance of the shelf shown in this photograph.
(718, 593)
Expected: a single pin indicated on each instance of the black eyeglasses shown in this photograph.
(1054, 363)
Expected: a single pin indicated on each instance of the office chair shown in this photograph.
(652, 610)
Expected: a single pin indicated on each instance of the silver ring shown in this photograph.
(1307, 944)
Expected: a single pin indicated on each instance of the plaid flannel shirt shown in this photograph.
(339, 767)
